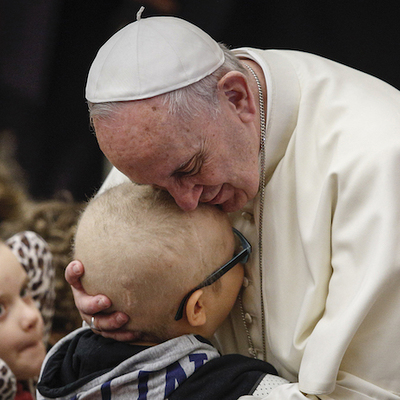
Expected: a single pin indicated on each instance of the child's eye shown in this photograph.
(2, 310)
(24, 292)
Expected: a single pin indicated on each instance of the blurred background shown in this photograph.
(47, 46)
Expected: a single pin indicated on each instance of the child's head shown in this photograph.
(21, 324)
(142, 251)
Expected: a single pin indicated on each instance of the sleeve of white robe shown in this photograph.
(363, 296)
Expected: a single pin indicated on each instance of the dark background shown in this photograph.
(47, 46)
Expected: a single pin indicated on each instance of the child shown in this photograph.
(54, 220)
(26, 285)
(162, 267)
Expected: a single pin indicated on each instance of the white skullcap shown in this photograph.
(149, 57)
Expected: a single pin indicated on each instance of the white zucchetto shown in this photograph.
(151, 56)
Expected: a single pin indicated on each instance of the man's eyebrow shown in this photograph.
(197, 160)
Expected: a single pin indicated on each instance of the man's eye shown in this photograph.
(191, 168)
(190, 172)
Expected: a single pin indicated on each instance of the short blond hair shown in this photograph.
(140, 248)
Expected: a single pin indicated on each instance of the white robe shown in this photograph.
(331, 248)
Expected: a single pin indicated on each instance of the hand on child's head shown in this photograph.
(21, 324)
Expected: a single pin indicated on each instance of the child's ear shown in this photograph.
(195, 309)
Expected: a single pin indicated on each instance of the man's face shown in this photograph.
(203, 160)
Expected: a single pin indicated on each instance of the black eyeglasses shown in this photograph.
(241, 257)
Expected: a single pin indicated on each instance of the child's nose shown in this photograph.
(30, 315)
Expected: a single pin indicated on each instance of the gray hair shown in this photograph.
(195, 99)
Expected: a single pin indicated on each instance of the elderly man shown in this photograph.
(304, 154)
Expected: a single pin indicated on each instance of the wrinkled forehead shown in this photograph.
(145, 121)
(143, 137)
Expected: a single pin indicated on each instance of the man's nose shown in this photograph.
(186, 196)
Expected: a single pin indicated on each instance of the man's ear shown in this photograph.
(234, 86)
(195, 309)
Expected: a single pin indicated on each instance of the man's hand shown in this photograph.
(107, 325)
